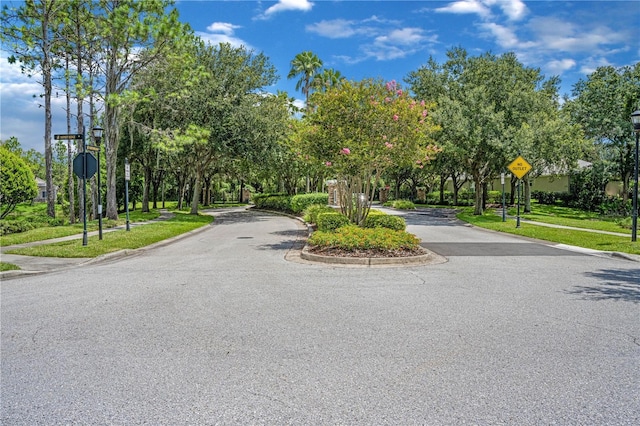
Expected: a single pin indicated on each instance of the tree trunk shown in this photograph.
(48, 151)
(112, 134)
(70, 189)
(196, 195)
(479, 195)
(146, 189)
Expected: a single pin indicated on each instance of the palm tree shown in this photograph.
(305, 64)
(326, 79)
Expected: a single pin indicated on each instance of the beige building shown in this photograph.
(42, 191)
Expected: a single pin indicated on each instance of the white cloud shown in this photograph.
(562, 36)
(223, 27)
(465, 7)
(589, 65)
(504, 36)
(557, 67)
(222, 32)
(336, 28)
(383, 39)
(286, 5)
(300, 103)
(398, 43)
(514, 9)
(404, 36)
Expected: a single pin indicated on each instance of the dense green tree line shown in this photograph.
(193, 115)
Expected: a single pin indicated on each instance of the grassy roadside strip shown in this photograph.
(595, 241)
(567, 216)
(137, 237)
(51, 232)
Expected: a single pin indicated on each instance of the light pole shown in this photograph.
(97, 136)
(635, 119)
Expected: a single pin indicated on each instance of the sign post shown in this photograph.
(84, 166)
(519, 167)
(96, 148)
(127, 177)
(504, 211)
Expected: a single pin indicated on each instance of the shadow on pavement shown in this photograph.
(231, 218)
(615, 284)
(431, 217)
(496, 249)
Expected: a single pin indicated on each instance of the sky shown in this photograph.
(379, 39)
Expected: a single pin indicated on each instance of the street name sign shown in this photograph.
(519, 167)
(68, 137)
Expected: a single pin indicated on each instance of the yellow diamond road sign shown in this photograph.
(519, 167)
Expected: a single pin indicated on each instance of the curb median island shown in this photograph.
(428, 258)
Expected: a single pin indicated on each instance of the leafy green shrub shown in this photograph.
(587, 187)
(17, 183)
(279, 202)
(377, 220)
(300, 202)
(311, 213)
(353, 238)
(15, 226)
(403, 205)
(494, 197)
(55, 221)
(546, 197)
(434, 197)
(614, 206)
(331, 221)
(626, 223)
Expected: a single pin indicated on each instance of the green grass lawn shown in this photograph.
(46, 232)
(139, 236)
(567, 216)
(493, 221)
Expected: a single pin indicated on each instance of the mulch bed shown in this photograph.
(338, 252)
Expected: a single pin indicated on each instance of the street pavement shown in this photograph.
(229, 326)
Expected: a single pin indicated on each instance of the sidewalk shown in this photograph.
(550, 225)
(37, 264)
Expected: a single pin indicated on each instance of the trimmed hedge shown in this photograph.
(354, 238)
(289, 203)
(279, 202)
(388, 221)
(400, 204)
(311, 213)
(331, 221)
(300, 202)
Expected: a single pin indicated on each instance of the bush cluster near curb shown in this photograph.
(380, 233)
(295, 204)
(401, 204)
(378, 219)
(330, 221)
(354, 238)
(311, 213)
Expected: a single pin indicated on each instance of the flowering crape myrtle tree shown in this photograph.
(359, 129)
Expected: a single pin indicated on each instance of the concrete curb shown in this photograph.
(591, 252)
(300, 253)
(105, 258)
(427, 258)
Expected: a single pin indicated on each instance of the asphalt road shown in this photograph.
(227, 327)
